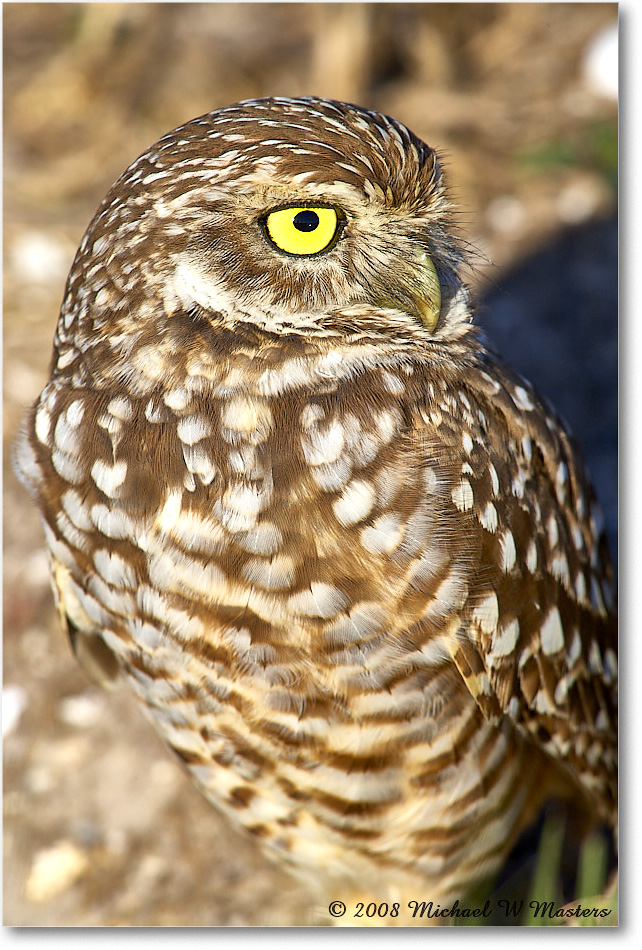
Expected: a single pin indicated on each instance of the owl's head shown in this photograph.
(295, 215)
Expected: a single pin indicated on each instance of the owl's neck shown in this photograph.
(212, 354)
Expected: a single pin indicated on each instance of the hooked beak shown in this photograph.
(417, 292)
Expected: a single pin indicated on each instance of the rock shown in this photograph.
(54, 870)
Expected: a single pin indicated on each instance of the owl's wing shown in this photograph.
(539, 639)
(91, 651)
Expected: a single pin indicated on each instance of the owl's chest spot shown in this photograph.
(246, 420)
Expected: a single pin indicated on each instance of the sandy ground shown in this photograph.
(101, 826)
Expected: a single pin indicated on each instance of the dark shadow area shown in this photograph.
(554, 318)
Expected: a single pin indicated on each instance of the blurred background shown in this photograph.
(101, 826)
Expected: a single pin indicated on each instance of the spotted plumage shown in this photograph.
(348, 561)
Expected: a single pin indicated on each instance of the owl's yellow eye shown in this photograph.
(302, 230)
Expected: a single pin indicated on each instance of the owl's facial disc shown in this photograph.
(322, 251)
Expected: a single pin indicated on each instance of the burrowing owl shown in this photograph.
(349, 562)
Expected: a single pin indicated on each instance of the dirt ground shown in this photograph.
(101, 826)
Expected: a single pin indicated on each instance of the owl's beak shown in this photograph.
(417, 291)
(426, 293)
(428, 311)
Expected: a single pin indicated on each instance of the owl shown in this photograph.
(348, 561)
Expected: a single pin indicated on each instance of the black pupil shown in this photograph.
(306, 221)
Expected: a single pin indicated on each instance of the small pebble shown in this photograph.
(40, 258)
(578, 202)
(14, 701)
(82, 711)
(601, 63)
(506, 215)
(54, 870)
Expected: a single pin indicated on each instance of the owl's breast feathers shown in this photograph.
(329, 537)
